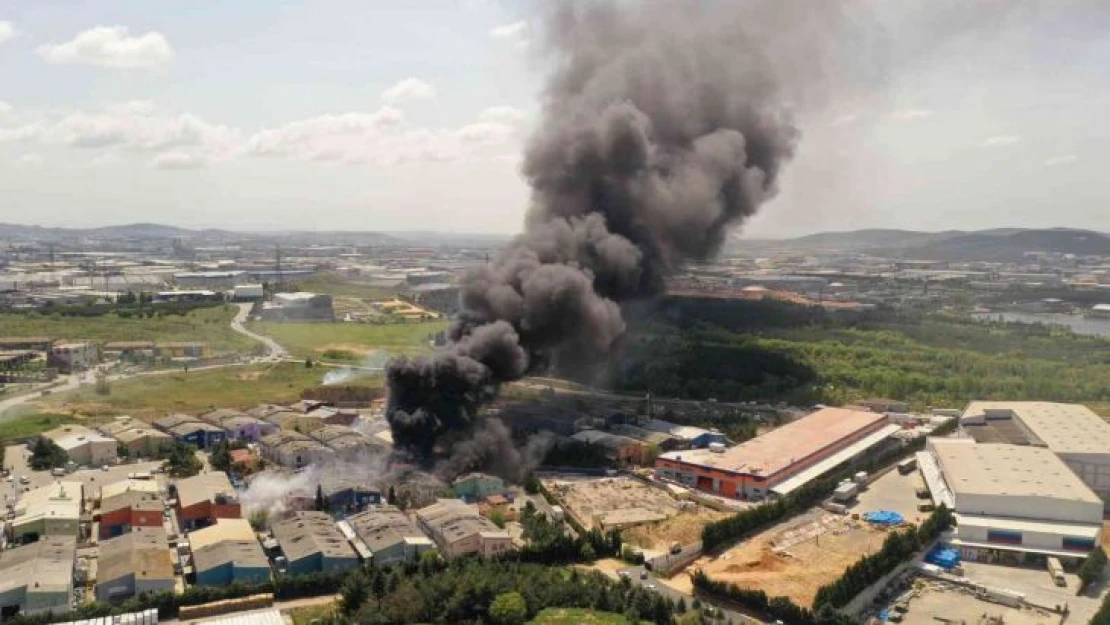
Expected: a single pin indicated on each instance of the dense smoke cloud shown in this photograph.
(662, 128)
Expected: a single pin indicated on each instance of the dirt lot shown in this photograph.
(792, 559)
(588, 499)
(956, 605)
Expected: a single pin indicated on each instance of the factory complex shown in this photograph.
(781, 460)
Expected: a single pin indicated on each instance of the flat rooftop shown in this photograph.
(776, 450)
(993, 469)
(144, 552)
(48, 562)
(1063, 428)
(223, 530)
(204, 487)
(383, 527)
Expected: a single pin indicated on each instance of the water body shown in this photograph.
(1078, 323)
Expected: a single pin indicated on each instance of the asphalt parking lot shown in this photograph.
(15, 458)
(895, 492)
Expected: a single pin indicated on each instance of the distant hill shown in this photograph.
(996, 245)
(149, 231)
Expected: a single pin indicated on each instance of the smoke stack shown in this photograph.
(662, 128)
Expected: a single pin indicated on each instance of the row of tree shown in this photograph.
(1091, 571)
(757, 601)
(898, 547)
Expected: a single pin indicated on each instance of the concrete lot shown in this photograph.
(1038, 588)
(894, 492)
(93, 479)
(958, 606)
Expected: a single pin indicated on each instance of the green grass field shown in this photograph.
(31, 424)
(307, 614)
(577, 616)
(211, 325)
(196, 391)
(350, 341)
(340, 287)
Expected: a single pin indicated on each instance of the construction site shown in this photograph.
(649, 516)
(792, 559)
(960, 606)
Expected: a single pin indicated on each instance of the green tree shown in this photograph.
(497, 519)
(46, 454)
(220, 458)
(508, 608)
(181, 459)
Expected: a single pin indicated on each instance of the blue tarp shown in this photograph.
(944, 557)
(884, 616)
(883, 517)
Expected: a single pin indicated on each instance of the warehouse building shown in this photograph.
(1073, 432)
(294, 450)
(239, 425)
(133, 564)
(53, 510)
(38, 577)
(459, 530)
(384, 535)
(128, 505)
(1011, 499)
(191, 430)
(136, 438)
(84, 446)
(204, 498)
(226, 553)
(311, 543)
(695, 437)
(782, 460)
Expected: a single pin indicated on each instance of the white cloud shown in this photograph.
(519, 33)
(5, 109)
(910, 115)
(503, 114)
(22, 132)
(7, 31)
(845, 119)
(514, 31)
(1063, 159)
(30, 159)
(178, 160)
(485, 132)
(110, 46)
(407, 90)
(1001, 141)
(142, 126)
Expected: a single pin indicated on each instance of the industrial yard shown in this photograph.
(792, 559)
(959, 605)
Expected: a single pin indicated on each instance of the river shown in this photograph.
(1078, 323)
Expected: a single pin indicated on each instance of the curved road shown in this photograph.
(275, 353)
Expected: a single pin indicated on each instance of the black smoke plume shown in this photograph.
(662, 128)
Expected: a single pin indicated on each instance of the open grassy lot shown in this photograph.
(340, 287)
(350, 341)
(577, 616)
(305, 615)
(211, 325)
(31, 424)
(225, 387)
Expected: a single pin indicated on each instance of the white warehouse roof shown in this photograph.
(1063, 428)
(1016, 470)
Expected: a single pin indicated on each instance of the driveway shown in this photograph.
(635, 572)
(274, 350)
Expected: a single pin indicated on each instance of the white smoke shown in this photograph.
(268, 491)
(371, 364)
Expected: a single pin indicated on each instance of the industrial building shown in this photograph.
(1073, 432)
(73, 356)
(127, 505)
(204, 498)
(38, 577)
(84, 446)
(53, 510)
(459, 530)
(384, 535)
(311, 543)
(239, 425)
(228, 552)
(191, 430)
(695, 437)
(782, 460)
(476, 486)
(300, 306)
(293, 449)
(133, 564)
(1011, 499)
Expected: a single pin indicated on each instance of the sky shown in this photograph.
(398, 115)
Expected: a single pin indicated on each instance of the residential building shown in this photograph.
(311, 543)
(53, 510)
(459, 530)
(204, 498)
(239, 425)
(134, 564)
(84, 446)
(38, 577)
(228, 552)
(384, 535)
(191, 430)
(1012, 499)
(71, 356)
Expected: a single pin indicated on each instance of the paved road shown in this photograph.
(635, 573)
(275, 352)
